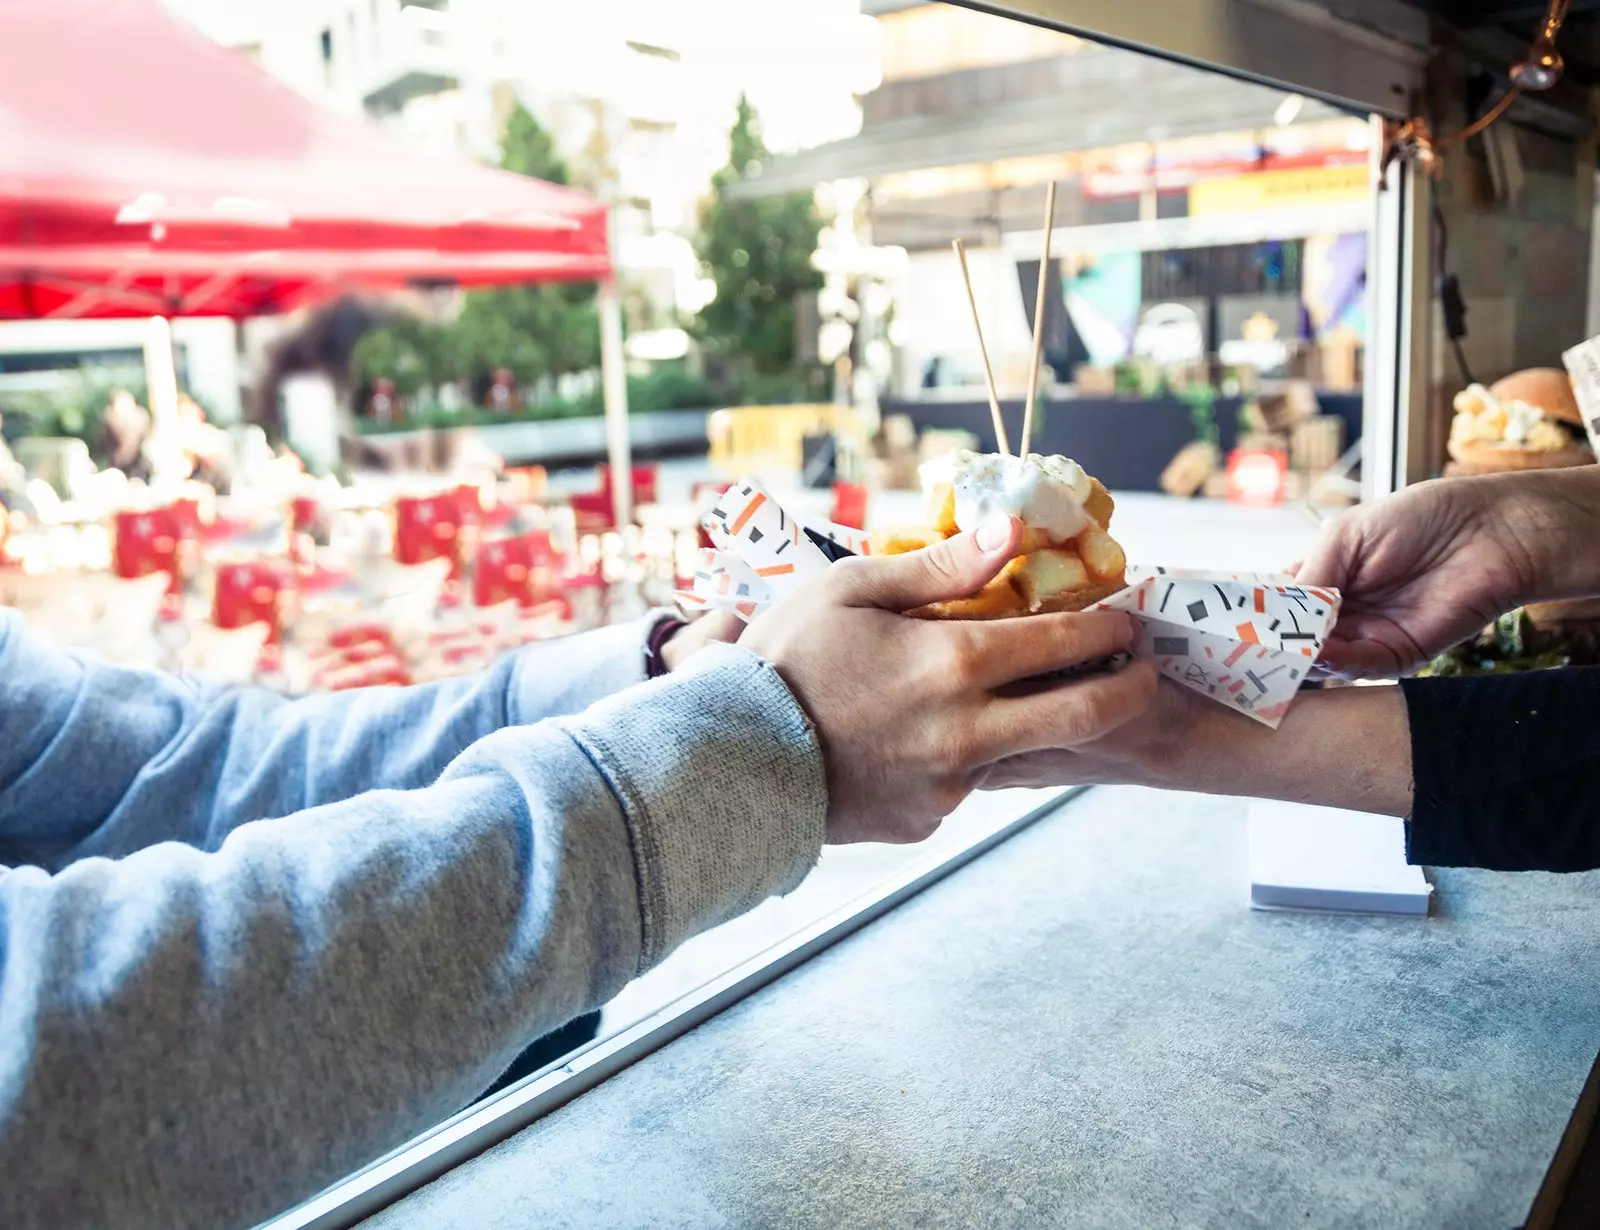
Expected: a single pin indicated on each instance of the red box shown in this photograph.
(1257, 477)
(251, 591)
(148, 542)
(526, 570)
(849, 506)
(429, 528)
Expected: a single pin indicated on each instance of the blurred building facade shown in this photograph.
(1171, 181)
(638, 95)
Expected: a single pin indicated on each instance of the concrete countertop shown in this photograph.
(1087, 1026)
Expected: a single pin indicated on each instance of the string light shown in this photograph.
(1539, 69)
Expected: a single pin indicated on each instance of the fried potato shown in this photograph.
(1099, 505)
(1102, 554)
(903, 539)
(1044, 574)
(998, 599)
(941, 508)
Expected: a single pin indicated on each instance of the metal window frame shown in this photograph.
(1353, 64)
(1394, 438)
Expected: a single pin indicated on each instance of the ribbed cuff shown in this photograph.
(721, 780)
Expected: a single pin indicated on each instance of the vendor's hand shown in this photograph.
(906, 709)
(1420, 571)
(1153, 749)
(696, 635)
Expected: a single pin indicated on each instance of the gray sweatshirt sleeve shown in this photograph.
(203, 1038)
(100, 760)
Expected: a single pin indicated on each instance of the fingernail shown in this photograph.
(994, 535)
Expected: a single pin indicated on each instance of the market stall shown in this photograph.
(172, 177)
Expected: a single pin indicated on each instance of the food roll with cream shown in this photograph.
(1068, 561)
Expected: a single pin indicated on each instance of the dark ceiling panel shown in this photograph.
(1518, 20)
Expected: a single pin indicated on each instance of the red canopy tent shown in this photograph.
(146, 171)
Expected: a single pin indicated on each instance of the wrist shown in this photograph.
(1551, 531)
(658, 656)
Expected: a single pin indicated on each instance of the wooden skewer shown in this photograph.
(1038, 319)
(988, 372)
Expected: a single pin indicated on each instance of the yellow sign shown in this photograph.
(1263, 190)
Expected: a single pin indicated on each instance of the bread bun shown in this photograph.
(1547, 388)
(1550, 616)
(1477, 457)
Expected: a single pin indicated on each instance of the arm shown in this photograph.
(1499, 772)
(1346, 747)
(101, 760)
(194, 1039)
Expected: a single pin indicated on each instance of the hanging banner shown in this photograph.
(1265, 190)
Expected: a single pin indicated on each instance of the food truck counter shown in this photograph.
(1088, 1026)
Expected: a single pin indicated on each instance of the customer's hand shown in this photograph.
(907, 710)
(1421, 571)
(697, 634)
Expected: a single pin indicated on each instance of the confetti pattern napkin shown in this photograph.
(1583, 366)
(762, 552)
(1246, 640)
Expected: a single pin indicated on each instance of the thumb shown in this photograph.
(1330, 560)
(955, 568)
(1325, 565)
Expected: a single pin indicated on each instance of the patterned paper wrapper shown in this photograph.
(1246, 640)
(761, 552)
(1583, 366)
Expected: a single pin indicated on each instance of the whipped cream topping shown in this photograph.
(1046, 493)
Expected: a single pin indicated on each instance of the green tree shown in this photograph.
(758, 251)
(535, 331)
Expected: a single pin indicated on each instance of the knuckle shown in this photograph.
(965, 657)
(948, 746)
(1067, 637)
(1087, 715)
(966, 747)
(942, 565)
(850, 575)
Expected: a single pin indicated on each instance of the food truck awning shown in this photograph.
(143, 169)
(1105, 99)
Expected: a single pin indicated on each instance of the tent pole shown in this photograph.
(614, 383)
(161, 380)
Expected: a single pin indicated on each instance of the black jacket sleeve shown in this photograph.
(1506, 771)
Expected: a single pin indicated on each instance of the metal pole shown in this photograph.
(614, 384)
(1395, 398)
(161, 388)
